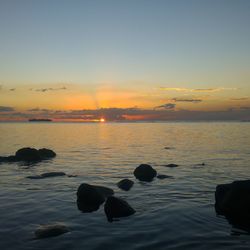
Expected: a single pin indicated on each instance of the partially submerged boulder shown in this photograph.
(29, 155)
(90, 197)
(233, 201)
(145, 172)
(51, 230)
(46, 175)
(116, 208)
(125, 184)
(171, 165)
(163, 176)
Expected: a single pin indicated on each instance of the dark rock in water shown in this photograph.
(72, 175)
(171, 165)
(51, 230)
(46, 175)
(163, 176)
(125, 184)
(145, 172)
(90, 197)
(233, 201)
(28, 154)
(46, 153)
(116, 208)
(168, 148)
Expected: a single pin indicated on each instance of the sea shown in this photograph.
(171, 213)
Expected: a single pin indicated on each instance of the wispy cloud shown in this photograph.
(186, 100)
(38, 110)
(48, 89)
(195, 90)
(239, 99)
(6, 109)
(166, 106)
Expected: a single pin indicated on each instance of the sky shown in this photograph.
(83, 60)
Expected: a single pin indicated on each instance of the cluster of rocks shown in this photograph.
(29, 155)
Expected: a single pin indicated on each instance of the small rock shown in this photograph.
(163, 176)
(51, 230)
(116, 208)
(125, 184)
(145, 172)
(171, 165)
(28, 154)
(46, 153)
(46, 175)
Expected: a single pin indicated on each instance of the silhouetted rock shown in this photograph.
(46, 153)
(116, 207)
(46, 175)
(28, 154)
(51, 230)
(145, 172)
(233, 201)
(163, 176)
(125, 184)
(90, 197)
(171, 165)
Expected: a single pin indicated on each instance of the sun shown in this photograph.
(102, 120)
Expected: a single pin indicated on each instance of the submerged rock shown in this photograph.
(233, 201)
(51, 230)
(29, 155)
(163, 176)
(145, 172)
(125, 184)
(90, 197)
(171, 165)
(46, 175)
(116, 208)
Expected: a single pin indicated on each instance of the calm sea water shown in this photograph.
(175, 213)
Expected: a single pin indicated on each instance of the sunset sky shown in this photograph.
(83, 60)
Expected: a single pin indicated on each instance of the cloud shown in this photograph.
(245, 108)
(240, 99)
(38, 110)
(48, 89)
(195, 90)
(186, 100)
(6, 109)
(166, 106)
(13, 89)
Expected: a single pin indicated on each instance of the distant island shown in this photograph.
(40, 120)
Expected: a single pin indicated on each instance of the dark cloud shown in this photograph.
(38, 110)
(245, 108)
(166, 106)
(48, 89)
(186, 100)
(6, 109)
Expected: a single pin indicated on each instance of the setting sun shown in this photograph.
(102, 120)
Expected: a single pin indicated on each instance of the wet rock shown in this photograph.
(163, 176)
(90, 197)
(116, 208)
(171, 165)
(46, 153)
(145, 172)
(46, 175)
(233, 201)
(28, 154)
(51, 230)
(125, 184)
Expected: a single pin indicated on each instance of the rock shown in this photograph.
(125, 184)
(233, 201)
(171, 165)
(51, 230)
(46, 153)
(28, 154)
(90, 197)
(116, 208)
(163, 176)
(145, 172)
(46, 175)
